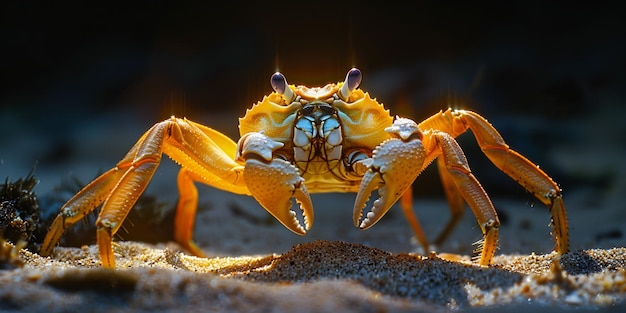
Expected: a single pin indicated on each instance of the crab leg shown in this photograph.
(472, 192)
(406, 203)
(455, 202)
(186, 212)
(205, 155)
(119, 188)
(136, 177)
(79, 206)
(516, 166)
(522, 171)
(396, 163)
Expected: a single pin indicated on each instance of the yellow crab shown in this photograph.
(300, 140)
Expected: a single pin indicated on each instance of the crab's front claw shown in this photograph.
(273, 182)
(394, 165)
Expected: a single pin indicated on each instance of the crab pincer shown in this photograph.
(274, 181)
(394, 166)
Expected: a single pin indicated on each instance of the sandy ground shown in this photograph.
(321, 276)
(261, 267)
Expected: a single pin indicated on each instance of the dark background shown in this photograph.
(81, 83)
(517, 57)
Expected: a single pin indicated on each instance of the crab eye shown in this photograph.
(353, 79)
(279, 84)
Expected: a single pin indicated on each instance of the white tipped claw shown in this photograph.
(301, 194)
(395, 165)
(371, 181)
(273, 184)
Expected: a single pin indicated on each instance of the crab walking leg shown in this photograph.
(186, 213)
(118, 204)
(406, 203)
(81, 204)
(473, 193)
(138, 168)
(205, 155)
(523, 172)
(85, 201)
(455, 201)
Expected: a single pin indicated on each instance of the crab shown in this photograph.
(300, 140)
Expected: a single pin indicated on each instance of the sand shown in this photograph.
(315, 275)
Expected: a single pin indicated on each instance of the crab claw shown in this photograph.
(394, 166)
(273, 182)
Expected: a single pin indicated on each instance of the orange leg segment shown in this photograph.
(205, 155)
(119, 203)
(406, 203)
(186, 213)
(455, 201)
(461, 186)
(472, 192)
(523, 172)
(79, 206)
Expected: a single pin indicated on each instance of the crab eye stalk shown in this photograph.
(279, 84)
(353, 80)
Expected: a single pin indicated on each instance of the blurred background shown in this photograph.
(80, 84)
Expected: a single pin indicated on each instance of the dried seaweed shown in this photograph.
(19, 210)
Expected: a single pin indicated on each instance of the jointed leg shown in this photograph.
(406, 203)
(81, 204)
(196, 148)
(472, 192)
(522, 171)
(186, 213)
(119, 203)
(455, 201)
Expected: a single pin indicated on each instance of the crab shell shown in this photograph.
(363, 122)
